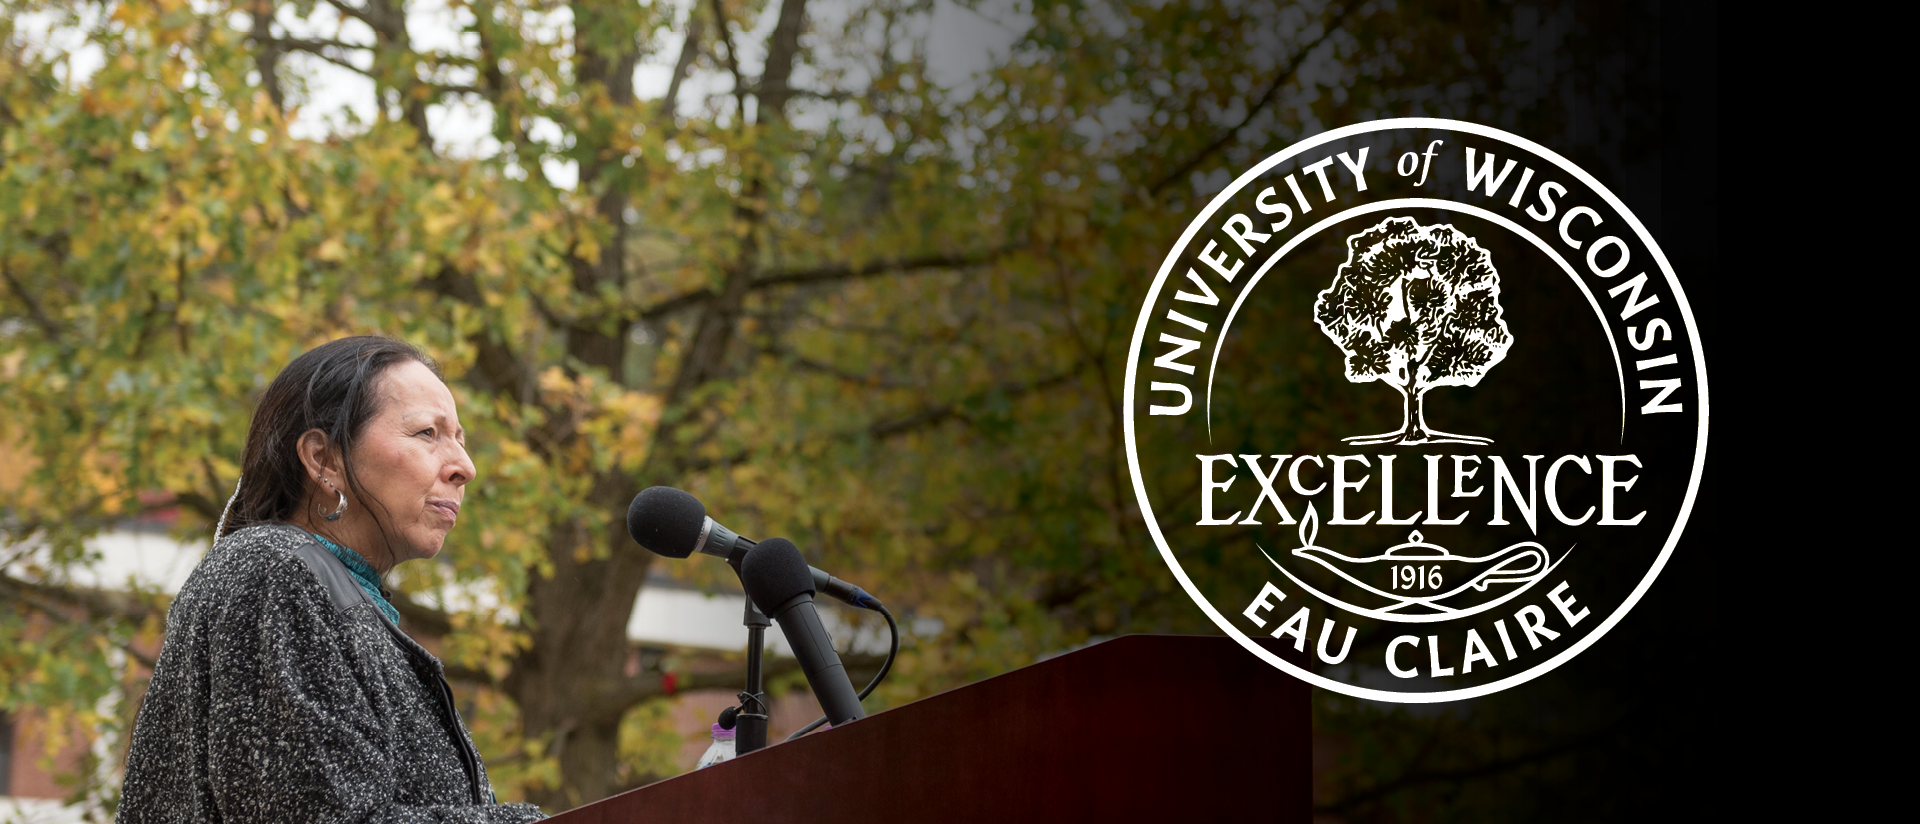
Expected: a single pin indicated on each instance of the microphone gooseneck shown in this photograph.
(779, 581)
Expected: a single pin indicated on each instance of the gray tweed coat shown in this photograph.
(282, 694)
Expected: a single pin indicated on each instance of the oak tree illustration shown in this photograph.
(1415, 307)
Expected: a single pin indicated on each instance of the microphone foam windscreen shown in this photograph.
(666, 521)
(774, 572)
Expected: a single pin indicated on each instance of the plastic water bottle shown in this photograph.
(722, 749)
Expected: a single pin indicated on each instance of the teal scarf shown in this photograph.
(364, 575)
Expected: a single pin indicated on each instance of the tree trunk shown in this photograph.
(266, 55)
(1414, 428)
(570, 682)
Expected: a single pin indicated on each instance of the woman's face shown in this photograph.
(412, 467)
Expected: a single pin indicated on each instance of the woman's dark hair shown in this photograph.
(333, 388)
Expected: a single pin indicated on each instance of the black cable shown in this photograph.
(893, 648)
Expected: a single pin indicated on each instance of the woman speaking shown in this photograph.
(285, 690)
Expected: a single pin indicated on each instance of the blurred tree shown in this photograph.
(834, 296)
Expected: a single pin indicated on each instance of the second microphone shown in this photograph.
(779, 581)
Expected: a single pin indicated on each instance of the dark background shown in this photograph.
(1660, 671)
(1636, 727)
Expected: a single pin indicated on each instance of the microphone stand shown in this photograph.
(750, 726)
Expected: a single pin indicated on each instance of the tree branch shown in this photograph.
(733, 63)
(684, 300)
(845, 271)
(316, 43)
(830, 96)
(823, 274)
(923, 419)
(388, 19)
(935, 415)
(689, 50)
(691, 465)
(1279, 80)
(506, 119)
(202, 505)
(499, 369)
(421, 617)
(34, 311)
(350, 11)
(836, 372)
(138, 656)
(782, 46)
(97, 604)
(267, 59)
(920, 419)
(318, 48)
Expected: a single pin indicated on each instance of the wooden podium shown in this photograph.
(1139, 728)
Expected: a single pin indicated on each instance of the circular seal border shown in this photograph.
(1153, 296)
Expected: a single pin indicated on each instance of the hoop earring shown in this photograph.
(340, 510)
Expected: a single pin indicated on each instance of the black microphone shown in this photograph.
(674, 524)
(778, 581)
